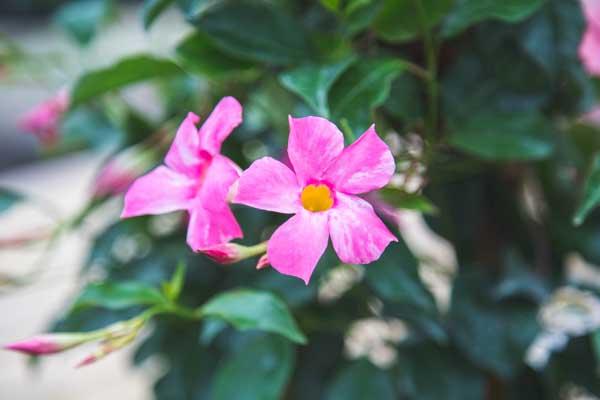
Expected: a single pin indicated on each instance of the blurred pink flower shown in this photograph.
(43, 119)
(196, 178)
(589, 49)
(592, 117)
(48, 344)
(321, 192)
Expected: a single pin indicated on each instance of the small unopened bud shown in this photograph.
(43, 120)
(228, 253)
(107, 347)
(263, 262)
(49, 343)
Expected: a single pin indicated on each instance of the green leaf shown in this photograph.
(400, 20)
(468, 12)
(172, 289)
(362, 88)
(82, 19)
(125, 72)
(8, 198)
(152, 10)
(312, 83)
(505, 137)
(198, 54)
(117, 295)
(249, 309)
(259, 370)
(410, 201)
(194, 9)
(361, 380)
(256, 31)
(591, 192)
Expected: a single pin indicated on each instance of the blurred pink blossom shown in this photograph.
(43, 119)
(589, 49)
(48, 344)
(196, 178)
(321, 193)
(592, 117)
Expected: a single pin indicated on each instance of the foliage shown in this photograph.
(492, 91)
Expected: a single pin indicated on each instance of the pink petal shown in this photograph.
(296, 246)
(160, 191)
(591, 11)
(226, 115)
(185, 155)
(211, 220)
(365, 165)
(269, 185)
(313, 145)
(589, 50)
(211, 227)
(357, 233)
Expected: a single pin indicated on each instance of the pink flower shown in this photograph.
(43, 119)
(321, 193)
(589, 49)
(196, 178)
(48, 344)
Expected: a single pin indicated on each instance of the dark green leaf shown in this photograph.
(8, 199)
(248, 309)
(410, 201)
(152, 10)
(400, 20)
(362, 88)
(117, 295)
(259, 370)
(197, 53)
(591, 192)
(125, 72)
(469, 12)
(269, 34)
(312, 83)
(504, 137)
(194, 9)
(361, 380)
(82, 19)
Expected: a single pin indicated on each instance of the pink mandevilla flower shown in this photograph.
(589, 49)
(196, 178)
(321, 193)
(43, 119)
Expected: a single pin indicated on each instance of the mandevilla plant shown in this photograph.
(387, 126)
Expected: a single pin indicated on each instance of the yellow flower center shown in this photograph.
(316, 198)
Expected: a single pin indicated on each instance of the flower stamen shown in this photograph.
(316, 198)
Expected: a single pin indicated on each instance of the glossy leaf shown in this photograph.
(362, 88)
(504, 137)
(82, 19)
(198, 54)
(401, 20)
(269, 34)
(125, 72)
(591, 192)
(259, 370)
(117, 295)
(313, 82)
(361, 380)
(249, 309)
(152, 10)
(469, 12)
(8, 199)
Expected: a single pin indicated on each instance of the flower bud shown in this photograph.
(107, 347)
(263, 262)
(49, 343)
(43, 120)
(228, 253)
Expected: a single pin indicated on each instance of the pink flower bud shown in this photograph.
(107, 347)
(49, 343)
(225, 253)
(43, 120)
(263, 262)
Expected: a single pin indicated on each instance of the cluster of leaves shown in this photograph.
(495, 89)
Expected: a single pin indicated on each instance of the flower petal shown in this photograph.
(160, 191)
(357, 233)
(365, 165)
(211, 227)
(589, 50)
(296, 246)
(313, 145)
(269, 185)
(218, 178)
(185, 155)
(226, 115)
